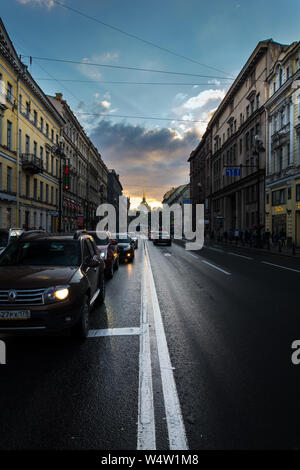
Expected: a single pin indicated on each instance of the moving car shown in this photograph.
(135, 239)
(125, 247)
(164, 238)
(50, 282)
(7, 236)
(108, 251)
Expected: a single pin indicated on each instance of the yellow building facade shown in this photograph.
(282, 203)
(29, 130)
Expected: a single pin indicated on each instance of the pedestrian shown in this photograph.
(236, 235)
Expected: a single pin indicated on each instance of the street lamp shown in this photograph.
(58, 151)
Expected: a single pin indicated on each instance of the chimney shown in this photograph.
(58, 96)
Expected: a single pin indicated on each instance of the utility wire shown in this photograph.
(139, 117)
(149, 43)
(130, 83)
(51, 59)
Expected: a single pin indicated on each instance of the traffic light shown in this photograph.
(67, 177)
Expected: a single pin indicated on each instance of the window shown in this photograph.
(52, 195)
(258, 101)
(52, 165)
(289, 192)
(42, 124)
(47, 130)
(281, 156)
(56, 167)
(241, 146)
(27, 109)
(41, 190)
(35, 118)
(248, 111)
(282, 118)
(41, 153)
(252, 106)
(52, 135)
(278, 197)
(297, 192)
(20, 103)
(280, 77)
(27, 186)
(287, 73)
(9, 135)
(9, 179)
(247, 141)
(288, 154)
(47, 193)
(35, 188)
(47, 161)
(35, 149)
(9, 95)
(27, 144)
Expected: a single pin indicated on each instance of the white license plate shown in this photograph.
(14, 314)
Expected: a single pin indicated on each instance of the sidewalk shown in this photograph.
(274, 249)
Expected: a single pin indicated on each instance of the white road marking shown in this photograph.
(215, 249)
(146, 422)
(241, 256)
(175, 424)
(191, 254)
(114, 332)
(216, 267)
(167, 254)
(282, 267)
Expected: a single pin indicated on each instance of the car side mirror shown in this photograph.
(91, 262)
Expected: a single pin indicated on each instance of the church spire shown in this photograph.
(144, 194)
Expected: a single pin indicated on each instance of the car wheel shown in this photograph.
(81, 329)
(101, 296)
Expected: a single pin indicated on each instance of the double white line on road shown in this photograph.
(146, 424)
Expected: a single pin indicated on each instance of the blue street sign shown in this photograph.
(233, 172)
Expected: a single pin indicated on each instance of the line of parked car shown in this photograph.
(52, 281)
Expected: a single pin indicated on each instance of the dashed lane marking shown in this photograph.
(282, 267)
(240, 256)
(216, 267)
(114, 332)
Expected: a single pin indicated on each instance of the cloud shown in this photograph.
(203, 98)
(156, 158)
(48, 3)
(94, 72)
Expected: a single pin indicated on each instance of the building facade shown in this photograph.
(114, 191)
(233, 176)
(29, 128)
(283, 150)
(84, 173)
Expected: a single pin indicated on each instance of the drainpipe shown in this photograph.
(18, 155)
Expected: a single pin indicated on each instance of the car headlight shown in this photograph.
(56, 294)
(103, 254)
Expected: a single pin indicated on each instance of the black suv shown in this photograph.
(50, 282)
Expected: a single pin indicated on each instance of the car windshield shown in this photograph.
(99, 241)
(3, 239)
(123, 238)
(42, 253)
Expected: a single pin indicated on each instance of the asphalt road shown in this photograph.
(191, 350)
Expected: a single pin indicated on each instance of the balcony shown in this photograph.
(31, 163)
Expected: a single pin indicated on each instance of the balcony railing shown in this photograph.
(31, 163)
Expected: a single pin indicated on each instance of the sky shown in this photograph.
(147, 128)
